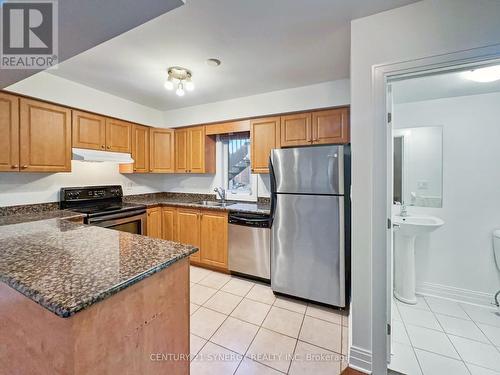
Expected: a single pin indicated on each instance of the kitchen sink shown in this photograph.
(214, 203)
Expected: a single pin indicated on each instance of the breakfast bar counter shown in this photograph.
(78, 299)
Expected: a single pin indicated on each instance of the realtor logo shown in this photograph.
(28, 34)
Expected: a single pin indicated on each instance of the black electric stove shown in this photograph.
(104, 206)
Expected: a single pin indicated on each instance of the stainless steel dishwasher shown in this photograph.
(249, 245)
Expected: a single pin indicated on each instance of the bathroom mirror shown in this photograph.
(418, 166)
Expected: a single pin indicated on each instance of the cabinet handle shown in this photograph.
(151, 169)
(103, 146)
(24, 166)
(109, 147)
(15, 166)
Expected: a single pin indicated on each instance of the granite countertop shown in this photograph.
(25, 217)
(190, 200)
(65, 266)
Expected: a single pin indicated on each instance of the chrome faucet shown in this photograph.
(221, 192)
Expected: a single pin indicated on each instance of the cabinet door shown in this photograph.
(140, 148)
(169, 223)
(9, 133)
(213, 231)
(89, 131)
(45, 137)
(264, 136)
(196, 150)
(118, 135)
(162, 155)
(154, 222)
(181, 151)
(188, 229)
(331, 126)
(295, 130)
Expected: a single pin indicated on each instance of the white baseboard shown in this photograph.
(360, 359)
(455, 294)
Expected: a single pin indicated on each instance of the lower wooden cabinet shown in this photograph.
(153, 226)
(188, 229)
(205, 229)
(169, 223)
(213, 230)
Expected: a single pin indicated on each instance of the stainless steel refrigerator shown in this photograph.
(310, 216)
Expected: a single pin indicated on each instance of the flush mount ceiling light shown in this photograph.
(488, 74)
(180, 78)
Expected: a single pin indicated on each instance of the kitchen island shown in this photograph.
(77, 299)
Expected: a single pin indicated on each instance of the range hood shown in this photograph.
(100, 156)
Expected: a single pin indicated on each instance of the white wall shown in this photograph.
(460, 254)
(59, 90)
(29, 188)
(422, 29)
(326, 94)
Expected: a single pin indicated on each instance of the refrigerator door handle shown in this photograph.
(273, 191)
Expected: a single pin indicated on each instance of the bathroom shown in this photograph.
(446, 194)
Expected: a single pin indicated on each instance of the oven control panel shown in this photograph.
(90, 193)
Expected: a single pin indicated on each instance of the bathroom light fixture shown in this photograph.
(181, 76)
(488, 74)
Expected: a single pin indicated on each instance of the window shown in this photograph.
(238, 177)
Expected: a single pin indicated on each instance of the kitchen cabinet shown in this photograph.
(214, 246)
(194, 151)
(331, 126)
(188, 229)
(161, 155)
(118, 135)
(140, 148)
(89, 130)
(9, 130)
(264, 136)
(169, 223)
(45, 137)
(295, 130)
(154, 222)
(319, 127)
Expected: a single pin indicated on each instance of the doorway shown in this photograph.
(442, 198)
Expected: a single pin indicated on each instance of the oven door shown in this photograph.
(131, 222)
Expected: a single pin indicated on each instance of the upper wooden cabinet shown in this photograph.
(161, 155)
(264, 136)
(140, 148)
(330, 126)
(45, 137)
(118, 135)
(295, 130)
(196, 147)
(194, 151)
(9, 133)
(89, 131)
(320, 127)
(181, 150)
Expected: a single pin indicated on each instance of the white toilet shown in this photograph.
(496, 247)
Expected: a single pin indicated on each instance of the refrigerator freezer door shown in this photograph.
(307, 248)
(309, 170)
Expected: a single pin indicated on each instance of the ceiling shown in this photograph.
(439, 86)
(85, 24)
(264, 46)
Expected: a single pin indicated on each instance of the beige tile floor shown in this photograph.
(240, 327)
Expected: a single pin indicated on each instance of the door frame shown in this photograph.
(382, 162)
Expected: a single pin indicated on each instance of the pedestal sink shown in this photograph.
(407, 228)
